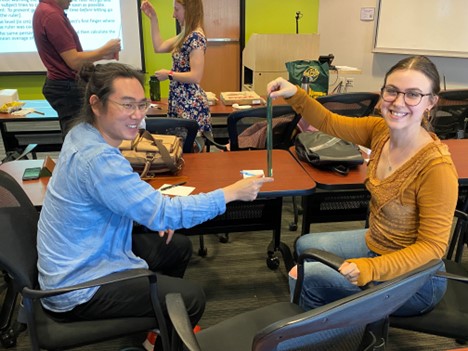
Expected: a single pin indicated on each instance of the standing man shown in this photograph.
(60, 50)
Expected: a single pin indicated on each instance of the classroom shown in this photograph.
(244, 259)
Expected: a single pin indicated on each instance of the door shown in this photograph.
(223, 53)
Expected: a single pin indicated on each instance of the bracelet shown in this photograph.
(170, 75)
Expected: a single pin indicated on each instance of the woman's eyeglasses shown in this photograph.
(131, 107)
(412, 98)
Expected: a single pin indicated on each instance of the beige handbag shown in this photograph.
(150, 154)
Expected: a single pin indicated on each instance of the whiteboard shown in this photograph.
(427, 27)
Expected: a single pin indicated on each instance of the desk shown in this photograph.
(262, 214)
(337, 198)
(459, 149)
(33, 128)
(44, 130)
(345, 197)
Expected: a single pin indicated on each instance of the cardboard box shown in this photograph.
(241, 98)
(212, 99)
(8, 95)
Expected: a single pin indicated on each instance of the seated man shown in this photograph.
(93, 199)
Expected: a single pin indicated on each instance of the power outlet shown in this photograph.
(349, 82)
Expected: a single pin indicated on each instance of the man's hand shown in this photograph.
(245, 189)
(170, 234)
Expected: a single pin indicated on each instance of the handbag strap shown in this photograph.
(137, 139)
(325, 145)
(340, 169)
(165, 155)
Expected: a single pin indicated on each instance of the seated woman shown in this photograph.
(413, 185)
(93, 199)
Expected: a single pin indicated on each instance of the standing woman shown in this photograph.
(186, 98)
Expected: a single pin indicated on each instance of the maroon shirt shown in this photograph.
(54, 34)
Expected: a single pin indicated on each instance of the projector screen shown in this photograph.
(95, 21)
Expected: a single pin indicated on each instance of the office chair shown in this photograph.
(247, 128)
(449, 118)
(356, 322)
(184, 128)
(450, 317)
(356, 104)
(18, 259)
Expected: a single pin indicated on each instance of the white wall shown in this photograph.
(343, 34)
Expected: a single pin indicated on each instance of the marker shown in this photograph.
(172, 186)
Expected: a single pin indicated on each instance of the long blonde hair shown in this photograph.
(193, 20)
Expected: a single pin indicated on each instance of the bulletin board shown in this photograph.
(426, 27)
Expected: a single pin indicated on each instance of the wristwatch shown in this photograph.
(170, 75)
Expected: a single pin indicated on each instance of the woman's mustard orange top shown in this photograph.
(411, 211)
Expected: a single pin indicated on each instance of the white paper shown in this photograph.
(179, 190)
(23, 112)
(246, 173)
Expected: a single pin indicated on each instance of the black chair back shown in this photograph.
(356, 310)
(346, 324)
(449, 118)
(184, 128)
(18, 228)
(247, 128)
(354, 104)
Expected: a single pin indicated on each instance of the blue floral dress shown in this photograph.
(188, 100)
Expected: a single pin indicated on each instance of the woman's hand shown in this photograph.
(350, 272)
(148, 9)
(280, 87)
(162, 74)
(245, 189)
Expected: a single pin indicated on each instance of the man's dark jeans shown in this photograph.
(66, 97)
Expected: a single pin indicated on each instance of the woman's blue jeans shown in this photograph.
(323, 284)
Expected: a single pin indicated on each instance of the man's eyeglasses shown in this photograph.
(131, 107)
(412, 98)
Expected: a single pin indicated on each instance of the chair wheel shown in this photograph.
(8, 338)
(292, 226)
(273, 263)
(223, 238)
(202, 252)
